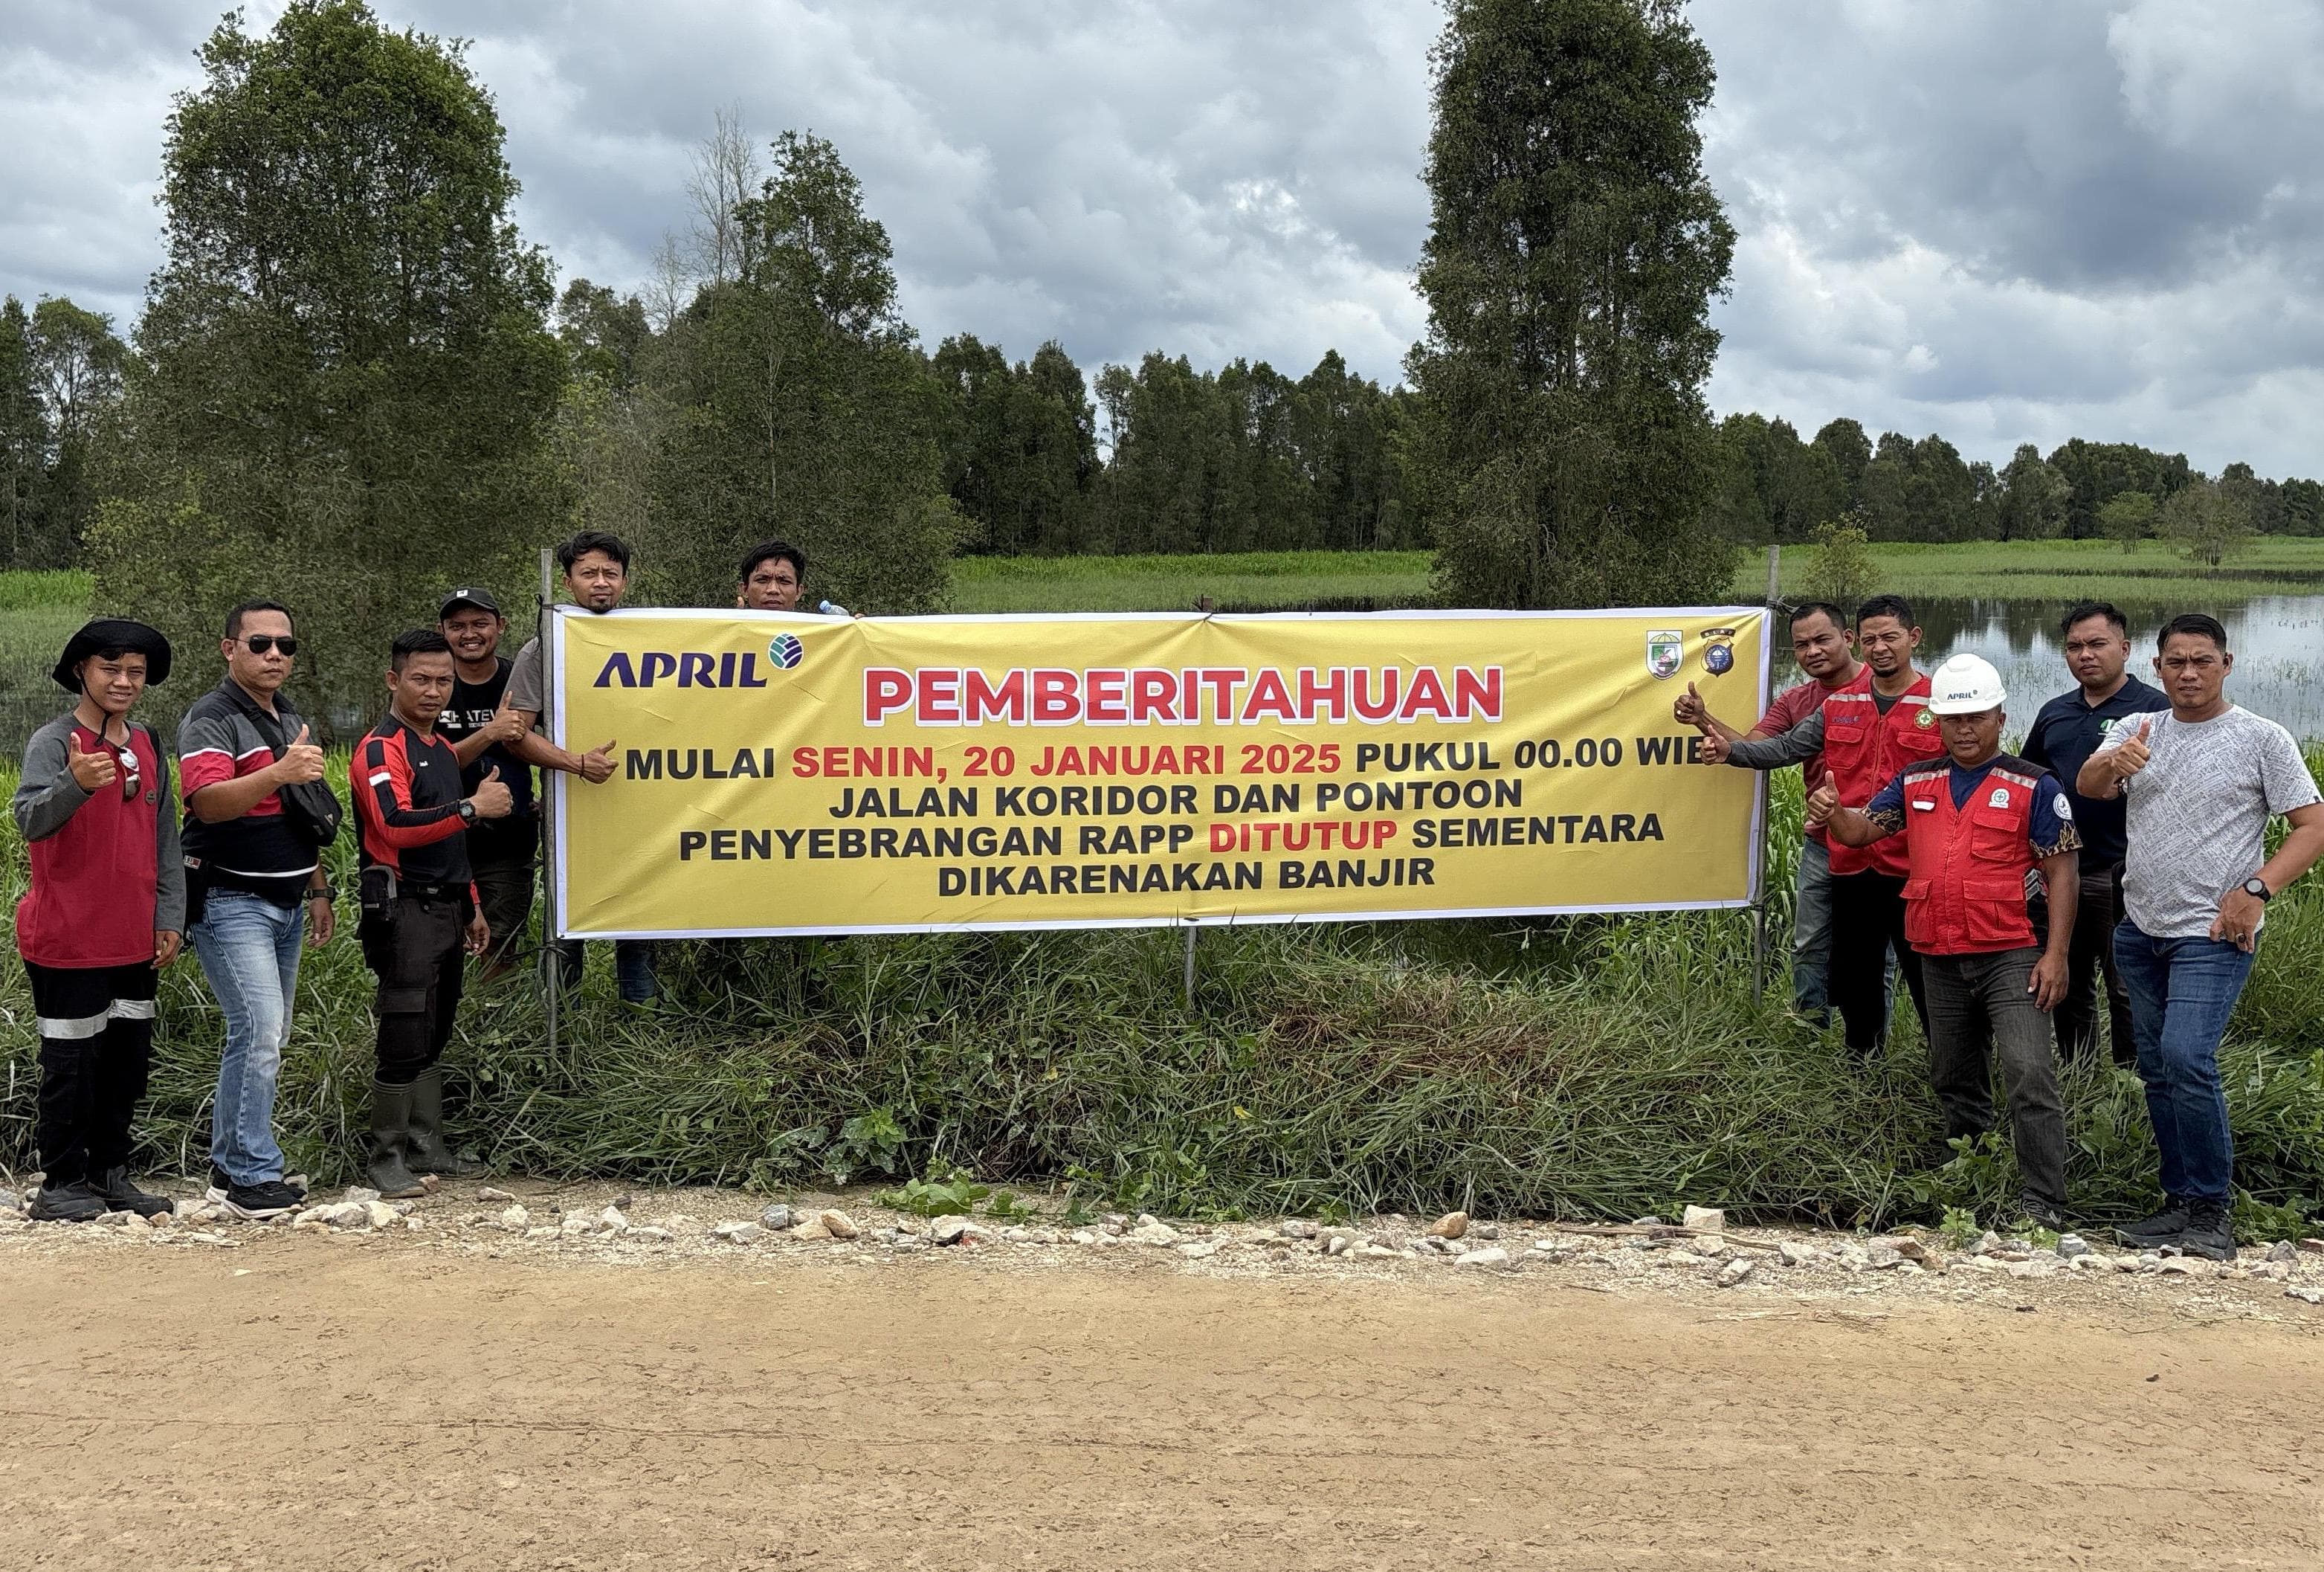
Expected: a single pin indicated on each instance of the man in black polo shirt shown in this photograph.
(501, 851)
(2064, 735)
(418, 906)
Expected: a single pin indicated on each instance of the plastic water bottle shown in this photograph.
(830, 608)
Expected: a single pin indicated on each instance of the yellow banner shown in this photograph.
(780, 773)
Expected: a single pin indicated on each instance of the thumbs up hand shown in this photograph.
(1688, 708)
(302, 761)
(2132, 755)
(1824, 800)
(491, 799)
(597, 764)
(94, 769)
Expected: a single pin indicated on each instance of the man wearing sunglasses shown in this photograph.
(106, 911)
(257, 889)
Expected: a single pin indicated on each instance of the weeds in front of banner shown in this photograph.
(1593, 1066)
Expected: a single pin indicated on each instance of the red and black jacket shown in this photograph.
(407, 793)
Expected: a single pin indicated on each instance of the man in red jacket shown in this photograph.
(106, 910)
(1867, 731)
(419, 907)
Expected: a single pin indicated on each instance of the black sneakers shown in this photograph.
(258, 1202)
(2165, 1227)
(222, 1188)
(120, 1195)
(2038, 1212)
(77, 1202)
(2208, 1233)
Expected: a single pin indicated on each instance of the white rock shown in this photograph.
(516, 1219)
(1149, 1220)
(811, 1229)
(612, 1220)
(379, 1214)
(2181, 1266)
(838, 1225)
(1451, 1226)
(1199, 1249)
(2307, 1296)
(1491, 1255)
(947, 1230)
(350, 1215)
(544, 1232)
(1378, 1252)
(360, 1195)
(738, 1232)
(2040, 1266)
(573, 1227)
(490, 1193)
(776, 1218)
(650, 1234)
(1296, 1228)
(10, 1201)
(2283, 1250)
(1736, 1271)
(312, 1215)
(1678, 1258)
(1339, 1243)
(1795, 1253)
(1153, 1233)
(1707, 1219)
(1085, 1236)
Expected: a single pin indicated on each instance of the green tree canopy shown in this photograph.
(350, 374)
(798, 405)
(1560, 448)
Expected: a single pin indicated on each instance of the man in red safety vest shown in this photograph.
(1866, 730)
(1971, 828)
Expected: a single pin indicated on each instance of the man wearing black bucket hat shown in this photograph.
(106, 911)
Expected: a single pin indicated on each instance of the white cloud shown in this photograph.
(1999, 221)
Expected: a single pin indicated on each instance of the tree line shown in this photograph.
(354, 383)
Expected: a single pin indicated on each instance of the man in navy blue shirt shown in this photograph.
(2064, 735)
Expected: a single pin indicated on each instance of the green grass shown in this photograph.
(1595, 1067)
(1242, 581)
(2061, 570)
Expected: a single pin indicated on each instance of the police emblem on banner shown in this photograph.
(1718, 657)
(786, 650)
(1664, 650)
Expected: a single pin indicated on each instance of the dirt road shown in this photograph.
(413, 1409)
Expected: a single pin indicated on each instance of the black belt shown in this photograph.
(408, 890)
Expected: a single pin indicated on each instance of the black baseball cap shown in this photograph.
(482, 599)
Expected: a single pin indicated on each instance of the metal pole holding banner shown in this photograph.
(1760, 947)
(1190, 965)
(551, 973)
(1775, 574)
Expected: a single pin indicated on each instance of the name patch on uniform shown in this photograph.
(1924, 804)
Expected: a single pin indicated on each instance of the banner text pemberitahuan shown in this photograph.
(794, 774)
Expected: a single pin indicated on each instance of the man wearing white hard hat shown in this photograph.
(1974, 824)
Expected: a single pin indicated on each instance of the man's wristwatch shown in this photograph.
(2258, 891)
(324, 894)
(467, 811)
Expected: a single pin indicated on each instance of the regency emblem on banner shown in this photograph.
(1664, 650)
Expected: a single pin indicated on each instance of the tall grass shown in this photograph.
(1594, 1066)
(2062, 571)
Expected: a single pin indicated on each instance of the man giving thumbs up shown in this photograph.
(255, 888)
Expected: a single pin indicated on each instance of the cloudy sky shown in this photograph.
(1999, 220)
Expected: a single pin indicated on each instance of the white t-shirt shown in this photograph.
(2198, 814)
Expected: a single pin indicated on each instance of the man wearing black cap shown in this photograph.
(106, 910)
(500, 850)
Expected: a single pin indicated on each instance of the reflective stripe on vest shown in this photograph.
(1965, 888)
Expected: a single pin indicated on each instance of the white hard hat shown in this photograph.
(1964, 685)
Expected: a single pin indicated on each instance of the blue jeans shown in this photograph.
(249, 950)
(634, 973)
(2181, 993)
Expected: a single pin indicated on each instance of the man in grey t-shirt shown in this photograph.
(2200, 784)
(596, 575)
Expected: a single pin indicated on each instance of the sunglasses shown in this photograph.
(260, 644)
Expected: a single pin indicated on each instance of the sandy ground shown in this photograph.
(418, 1402)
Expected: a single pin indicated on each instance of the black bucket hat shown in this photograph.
(114, 633)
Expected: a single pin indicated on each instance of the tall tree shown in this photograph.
(2207, 522)
(2032, 505)
(1019, 447)
(801, 407)
(1560, 448)
(351, 372)
(24, 438)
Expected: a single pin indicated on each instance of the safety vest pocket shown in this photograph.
(1995, 911)
(1920, 922)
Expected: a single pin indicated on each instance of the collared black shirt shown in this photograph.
(2064, 736)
